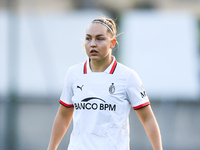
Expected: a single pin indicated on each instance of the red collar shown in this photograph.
(111, 71)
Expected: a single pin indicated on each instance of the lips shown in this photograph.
(93, 52)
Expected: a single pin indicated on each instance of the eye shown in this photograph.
(100, 39)
(87, 38)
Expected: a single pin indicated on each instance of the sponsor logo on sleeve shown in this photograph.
(143, 94)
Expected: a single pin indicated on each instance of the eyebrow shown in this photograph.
(96, 35)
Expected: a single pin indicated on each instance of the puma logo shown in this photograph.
(80, 87)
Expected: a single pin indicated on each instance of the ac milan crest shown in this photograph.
(112, 88)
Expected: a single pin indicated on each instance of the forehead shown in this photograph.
(96, 29)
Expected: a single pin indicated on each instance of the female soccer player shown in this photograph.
(99, 94)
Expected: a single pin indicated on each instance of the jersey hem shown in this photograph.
(66, 105)
(141, 106)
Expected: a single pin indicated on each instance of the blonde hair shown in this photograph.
(109, 23)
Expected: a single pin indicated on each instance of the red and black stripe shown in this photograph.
(66, 105)
(113, 67)
(85, 68)
(111, 71)
(141, 106)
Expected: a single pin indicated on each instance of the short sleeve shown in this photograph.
(67, 92)
(136, 93)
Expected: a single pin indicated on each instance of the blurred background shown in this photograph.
(39, 40)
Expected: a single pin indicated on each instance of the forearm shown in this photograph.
(60, 126)
(149, 122)
(58, 131)
(153, 133)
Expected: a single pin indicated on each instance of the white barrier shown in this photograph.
(48, 46)
(163, 49)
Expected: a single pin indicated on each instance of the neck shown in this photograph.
(101, 65)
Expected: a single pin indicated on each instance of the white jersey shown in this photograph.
(102, 102)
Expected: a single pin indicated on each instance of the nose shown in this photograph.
(93, 43)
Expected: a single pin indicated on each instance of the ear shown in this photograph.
(113, 42)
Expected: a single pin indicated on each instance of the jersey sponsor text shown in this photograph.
(85, 104)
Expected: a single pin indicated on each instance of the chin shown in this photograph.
(94, 58)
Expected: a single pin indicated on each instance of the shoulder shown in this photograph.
(74, 72)
(126, 70)
(129, 75)
(78, 68)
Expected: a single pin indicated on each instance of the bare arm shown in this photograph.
(60, 126)
(149, 122)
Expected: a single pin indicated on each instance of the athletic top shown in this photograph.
(102, 102)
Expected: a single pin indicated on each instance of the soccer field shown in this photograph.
(178, 122)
